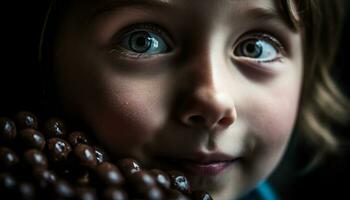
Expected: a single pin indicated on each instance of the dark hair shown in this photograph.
(322, 103)
(51, 103)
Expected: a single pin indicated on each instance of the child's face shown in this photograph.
(211, 85)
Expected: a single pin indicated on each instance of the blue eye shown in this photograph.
(259, 49)
(144, 42)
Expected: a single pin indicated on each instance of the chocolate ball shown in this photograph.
(85, 155)
(161, 178)
(55, 127)
(152, 193)
(129, 166)
(26, 191)
(179, 181)
(85, 193)
(109, 174)
(35, 159)
(31, 138)
(77, 170)
(45, 178)
(143, 177)
(58, 149)
(7, 183)
(25, 119)
(115, 193)
(101, 155)
(8, 158)
(7, 129)
(145, 185)
(63, 190)
(200, 195)
(77, 137)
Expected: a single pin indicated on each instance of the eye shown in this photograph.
(263, 49)
(143, 42)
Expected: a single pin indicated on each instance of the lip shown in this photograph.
(200, 163)
(205, 169)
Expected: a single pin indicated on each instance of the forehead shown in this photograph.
(180, 3)
(263, 9)
(186, 2)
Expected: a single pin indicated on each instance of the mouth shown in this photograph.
(205, 169)
(200, 164)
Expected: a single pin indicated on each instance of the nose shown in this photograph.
(207, 109)
(206, 106)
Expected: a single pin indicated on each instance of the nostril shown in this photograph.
(225, 121)
(196, 120)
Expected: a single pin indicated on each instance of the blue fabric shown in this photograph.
(264, 191)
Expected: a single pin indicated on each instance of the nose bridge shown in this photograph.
(208, 70)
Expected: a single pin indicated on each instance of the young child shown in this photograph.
(212, 88)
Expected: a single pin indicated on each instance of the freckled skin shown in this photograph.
(145, 107)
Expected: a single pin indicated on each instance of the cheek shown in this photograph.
(271, 122)
(126, 113)
(123, 110)
(276, 118)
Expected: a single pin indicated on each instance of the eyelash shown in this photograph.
(134, 28)
(142, 26)
(266, 36)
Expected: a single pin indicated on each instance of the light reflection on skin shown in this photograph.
(141, 106)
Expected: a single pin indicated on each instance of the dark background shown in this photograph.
(20, 85)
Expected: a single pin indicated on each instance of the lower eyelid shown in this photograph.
(126, 54)
(278, 58)
(268, 67)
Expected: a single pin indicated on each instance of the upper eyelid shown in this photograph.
(146, 27)
(262, 35)
(137, 27)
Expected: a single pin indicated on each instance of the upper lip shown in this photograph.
(200, 158)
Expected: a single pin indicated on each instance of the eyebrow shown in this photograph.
(266, 14)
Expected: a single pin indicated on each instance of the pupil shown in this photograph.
(140, 42)
(252, 49)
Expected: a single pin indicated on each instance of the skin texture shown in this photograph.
(199, 96)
